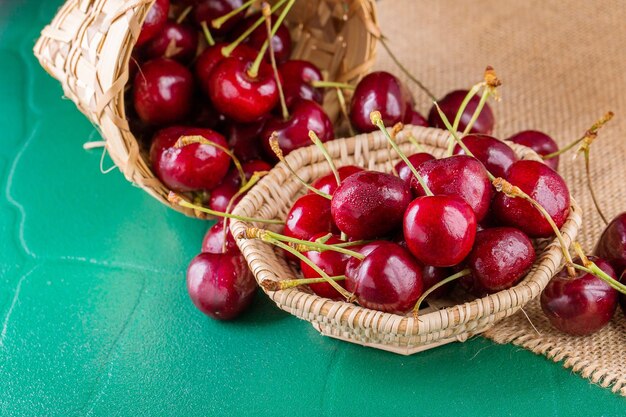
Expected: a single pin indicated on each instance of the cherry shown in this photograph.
(433, 275)
(220, 284)
(249, 168)
(309, 215)
(213, 241)
(378, 91)
(245, 140)
(297, 76)
(370, 204)
(211, 56)
(328, 184)
(439, 230)
(460, 175)
(281, 41)
(495, 155)
(403, 170)
(388, 279)
(162, 92)
(538, 142)
(412, 117)
(221, 196)
(331, 262)
(450, 105)
(582, 304)
(175, 41)
(612, 244)
(206, 10)
(546, 187)
(189, 168)
(240, 96)
(500, 258)
(204, 115)
(154, 21)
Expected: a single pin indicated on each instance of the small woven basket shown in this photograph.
(88, 45)
(272, 198)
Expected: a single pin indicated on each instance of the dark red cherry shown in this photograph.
(328, 184)
(213, 241)
(221, 196)
(538, 142)
(309, 215)
(434, 275)
(189, 168)
(546, 187)
(233, 177)
(582, 304)
(245, 140)
(500, 258)
(495, 155)
(612, 244)
(163, 92)
(388, 279)
(212, 55)
(281, 41)
(416, 160)
(297, 76)
(461, 176)
(378, 91)
(220, 284)
(450, 105)
(154, 21)
(176, 41)
(207, 10)
(204, 115)
(439, 230)
(293, 133)
(370, 204)
(412, 117)
(331, 262)
(240, 96)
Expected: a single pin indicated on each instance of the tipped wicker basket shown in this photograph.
(87, 47)
(272, 198)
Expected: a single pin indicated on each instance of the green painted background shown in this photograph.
(95, 319)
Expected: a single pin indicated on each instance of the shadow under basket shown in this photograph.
(88, 46)
(456, 319)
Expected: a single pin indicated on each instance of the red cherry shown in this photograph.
(249, 168)
(220, 284)
(450, 105)
(538, 142)
(297, 76)
(221, 196)
(370, 204)
(176, 41)
(612, 244)
(207, 10)
(434, 275)
(281, 41)
(416, 160)
(293, 133)
(154, 21)
(204, 115)
(238, 95)
(412, 117)
(245, 140)
(388, 279)
(212, 55)
(495, 155)
(189, 168)
(582, 304)
(309, 215)
(331, 262)
(439, 230)
(162, 92)
(546, 187)
(328, 184)
(213, 241)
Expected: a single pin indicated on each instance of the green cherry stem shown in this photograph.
(271, 285)
(341, 98)
(438, 285)
(219, 21)
(267, 14)
(471, 93)
(183, 14)
(332, 84)
(207, 34)
(479, 109)
(317, 141)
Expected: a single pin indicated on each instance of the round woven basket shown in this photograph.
(456, 318)
(88, 45)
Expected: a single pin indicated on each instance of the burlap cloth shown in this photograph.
(563, 64)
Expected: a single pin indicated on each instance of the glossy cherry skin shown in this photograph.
(207, 10)
(433, 275)
(176, 41)
(239, 96)
(193, 167)
(281, 41)
(297, 76)
(580, 305)
(612, 244)
(450, 105)
(378, 91)
(546, 187)
(213, 241)
(328, 184)
(245, 140)
(403, 170)
(211, 56)
(461, 176)
(233, 176)
(412, 117)
(163, 92)
(495, 155)
(500, 258)
(439, 230)
(220, 284)
(331, 262)
(226, 190)
(538, 142)
(370, 204)
(293, 133)
(388, 279)
(154, 21)
(309, 215)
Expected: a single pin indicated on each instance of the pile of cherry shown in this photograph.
(220, 115)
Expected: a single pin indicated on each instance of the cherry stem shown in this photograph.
(219, 21)
(479, 109)
(174, 198)
(438, 285)
(415, 143)
(207, 34)
(316, 140)
(344, 110)
(191, 139)
(589, 136)
(470, 94)
(393, 57)
(273, 140)
(267, 14)
(377, 120)
(590, 186)
(332, 84)
(595, 270)
(271, 285)
(184, 14)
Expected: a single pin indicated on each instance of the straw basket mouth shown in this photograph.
(456, 320)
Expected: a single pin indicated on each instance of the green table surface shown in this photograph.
(95, 318)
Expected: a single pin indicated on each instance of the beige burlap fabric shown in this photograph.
(563, 65)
